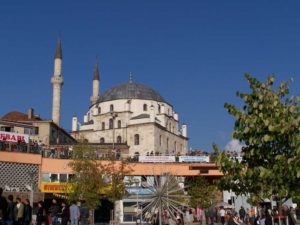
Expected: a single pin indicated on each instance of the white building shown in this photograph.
(132, 114)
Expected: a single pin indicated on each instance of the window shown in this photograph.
(111, 108)
(54, 177)
(119, 123)
(111, 123)
(145, 107)
(103, 126)
(119, 139)
(159, 140)
(99, 110)
(102, 140)
(45, 177)
(31, 131)
(167, 143)
(63, 177)
(71, 176)
(159, 109)
(175, 146)
(136, 139)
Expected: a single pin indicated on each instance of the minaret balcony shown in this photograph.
(57, 80)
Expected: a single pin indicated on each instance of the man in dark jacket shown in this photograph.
(3, 207)
(54, 210)
(27, 212)
(10, 218)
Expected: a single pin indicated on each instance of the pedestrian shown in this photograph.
(222, 215)
(84, 213)
(54, 211)
(10, 215)
(27, 212)
(74, 213)
(19, 211)
(3, 207)
(41, 216)
(242, 214)
(65, 214)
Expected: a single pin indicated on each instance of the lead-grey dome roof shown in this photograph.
(131, 90)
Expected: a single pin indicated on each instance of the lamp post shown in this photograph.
(113, 116)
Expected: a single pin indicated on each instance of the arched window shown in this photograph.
(111, 108)
(159, 109)
(159, 140)
(167, 143)
(145, 107)
(103, 126)
(111, 123)
(102, 140)
(175, 146)
(119, 139)
(136, 139)
(99, 110)
(119, 123)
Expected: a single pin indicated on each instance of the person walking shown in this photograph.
(54, 211)
(19, 212)
(41, 216)
(27, 212)
(10, 215)
(222, 215)
(84, 214)
(74, 213)
(65, 214)
(3, 207)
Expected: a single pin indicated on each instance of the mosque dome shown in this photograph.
(131, 90)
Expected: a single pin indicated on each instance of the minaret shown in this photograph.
(96, 80)
(57, 82)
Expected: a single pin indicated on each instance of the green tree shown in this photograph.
(268, 125)
(94, 179)
(201, 192)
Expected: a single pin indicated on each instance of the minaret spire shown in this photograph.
(58, 52)
(96, 83)
(130, 78)
(57, 82)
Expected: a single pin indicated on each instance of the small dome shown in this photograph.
(131, 90)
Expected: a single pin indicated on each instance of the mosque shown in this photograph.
(130, 114)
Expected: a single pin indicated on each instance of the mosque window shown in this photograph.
(136, 139)
(167, 143)
(119, 123)
(119, 139)
(111, 108)
(99, 110)
(103, 126)
(175, 146)
(159, 109)
(102, 140)
(145, 107)
(111, 123)
(160, 140)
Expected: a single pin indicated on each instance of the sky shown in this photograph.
(194, 53)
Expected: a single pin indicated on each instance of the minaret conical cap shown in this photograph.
(58, 52)
(96, 72)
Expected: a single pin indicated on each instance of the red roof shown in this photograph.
(18, 116)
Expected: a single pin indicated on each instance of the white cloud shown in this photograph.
(234, 146)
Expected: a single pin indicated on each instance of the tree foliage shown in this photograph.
(268, 125)
(94, 179)
(201, 192)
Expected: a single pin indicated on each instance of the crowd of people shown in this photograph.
(19, 212)
(227, 216)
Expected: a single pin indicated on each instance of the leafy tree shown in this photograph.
(93, 178)
(201, 192)
(268, 125)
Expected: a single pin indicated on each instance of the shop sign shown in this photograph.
(139, 191)
(157, 159)
(48, 187)
(193, 158)
(14, 137)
